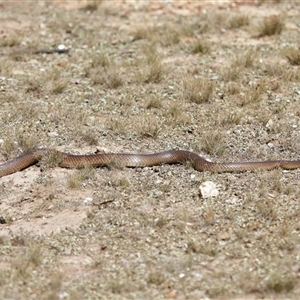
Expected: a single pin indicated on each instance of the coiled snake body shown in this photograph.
(139, 160)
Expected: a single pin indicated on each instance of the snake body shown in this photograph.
(66, 160)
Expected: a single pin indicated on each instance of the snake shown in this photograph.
(67, 160)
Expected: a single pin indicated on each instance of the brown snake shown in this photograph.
(139, 160)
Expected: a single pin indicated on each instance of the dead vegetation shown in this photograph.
(200, 47)
(293, 55)
(198, 90)
(146, 77)
(272, 25)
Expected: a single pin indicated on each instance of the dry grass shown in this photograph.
(141, 78)
(144, 32)
(76, 180)
(10, 41)
(293, 55)
(109, 78)
(100, 60)
(151, 68)
(255, 92)
(200, 47)
(238, 21)
(165, 35)
(198, 90)
(231, 118)
(270, 26)
(92, 6)
(153, 101)
(5, 66)
(149, 127)
(90, 137)
(59, 86)
(281, 283)
(27, 142)
(213, 144)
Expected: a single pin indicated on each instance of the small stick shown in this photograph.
(60, 49)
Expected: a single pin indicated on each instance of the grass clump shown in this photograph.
(76, 179)
(166, 35)
(51, 159)
(280, 283)
(232, 73)
(8, 147)
(124, 183)
(200, 47)
(103, 71)
(10, 41)
(156, 278)
(161, 222)
(118, 125)
(26, 142)
(270, 26)
(153, 102)
(109, 78)
(266, 210)
(152, 70)
(238, 21)
(255, 92)
(169, 35)
(32, 259)
(114, 80)
(58, 86)
(175, 115)
(144, 32)
(198, 90)
(5, 67)
(100, 60)
(90, 137)
(245, 60)
(293, 56)
(92, 6)
(116, 287)
(237, 66)
(231, 118)
(150, 127)
(213, 144)
(33, 85)
(233, 88)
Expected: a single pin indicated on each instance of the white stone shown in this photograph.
(87, 200)
(270, 123)
(208, 189)
(53, 133)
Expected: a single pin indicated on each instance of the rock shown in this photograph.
(208, 189)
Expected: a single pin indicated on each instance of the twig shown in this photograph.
(59, 50)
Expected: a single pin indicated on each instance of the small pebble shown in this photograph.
(53, 133)
(61, 47)
(208, 189)
(88, 200)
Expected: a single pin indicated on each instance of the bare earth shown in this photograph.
(142, 77)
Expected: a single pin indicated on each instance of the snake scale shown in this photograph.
(139, 160)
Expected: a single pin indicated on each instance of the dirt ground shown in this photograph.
(217, 78)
